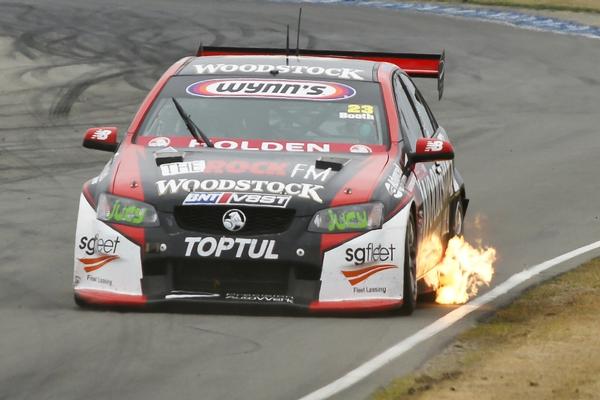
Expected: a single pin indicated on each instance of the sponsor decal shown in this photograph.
(355, 217)
(302, 190)
(272, 89)
(99, 280)
(435, 191)
(260, 145)
(94, 263)
(257, 145)
(238, 247)
(434, 146)
(96, 244)
(370, 254)
(222, 166)
(238, 199)
(130, 214)
(180, 168)
(249, 167)
(101, 134)
(263, 298)
(370, 289)
(234, 220)
(341, 73)
(358, 111)
(344, 115)
(307, 172)
(347, 220)
(360, 148)
(356, 276)
(159, 142)
(392, 183)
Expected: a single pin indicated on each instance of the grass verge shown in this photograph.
(545, 345)
(587, 6)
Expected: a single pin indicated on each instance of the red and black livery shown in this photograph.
(251, 176)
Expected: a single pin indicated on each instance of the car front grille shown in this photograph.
(209, 219)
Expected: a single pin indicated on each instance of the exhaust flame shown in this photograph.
(461, 271)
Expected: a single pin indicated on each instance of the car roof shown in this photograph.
(291, 67)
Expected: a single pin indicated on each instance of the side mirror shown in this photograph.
(104, 138)
(430, 149)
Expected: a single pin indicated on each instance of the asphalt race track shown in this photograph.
(521, 107)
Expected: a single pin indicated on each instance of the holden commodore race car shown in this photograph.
(252, 177)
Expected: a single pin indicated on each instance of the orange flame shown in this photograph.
(460, 273)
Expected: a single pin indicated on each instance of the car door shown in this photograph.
(443, 169)
(433, 178)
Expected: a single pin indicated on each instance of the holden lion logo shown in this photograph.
(360, 148)
(234, 220)
(159, 141)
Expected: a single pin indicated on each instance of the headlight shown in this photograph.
(125, 211)
(354, 218)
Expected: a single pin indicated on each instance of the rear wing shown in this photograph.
(415, 65)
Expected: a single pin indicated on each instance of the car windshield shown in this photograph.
(271, 109)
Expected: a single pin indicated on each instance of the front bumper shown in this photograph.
(362, 274)
(109, 299)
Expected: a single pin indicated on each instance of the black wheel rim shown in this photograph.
(458, 219)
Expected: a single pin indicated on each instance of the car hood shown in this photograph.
(305, 182)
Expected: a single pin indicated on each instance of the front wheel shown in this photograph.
(80, 302)
(410, 268)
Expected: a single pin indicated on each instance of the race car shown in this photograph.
(251, 176)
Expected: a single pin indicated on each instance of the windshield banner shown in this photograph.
(272, 89)
(261, 145)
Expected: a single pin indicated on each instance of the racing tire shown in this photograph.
(410, 290)
(457, 218)
(80, 302)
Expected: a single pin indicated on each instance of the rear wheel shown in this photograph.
(410, 268)
(457, 219)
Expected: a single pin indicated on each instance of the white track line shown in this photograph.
(439, 325)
